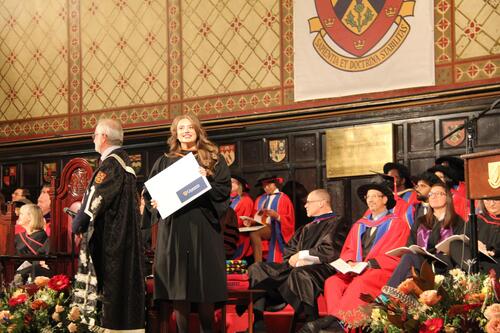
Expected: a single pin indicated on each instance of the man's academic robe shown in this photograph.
(282, 230)
(342, 291)
(189, 259)
(302, 284)
(243, 206)
(111, 244)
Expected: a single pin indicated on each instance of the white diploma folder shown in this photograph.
(177, 185)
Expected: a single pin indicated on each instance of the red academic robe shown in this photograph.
(460, 201)
(342, 291)
(282, 230)
(243, 206)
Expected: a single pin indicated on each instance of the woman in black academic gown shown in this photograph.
(34, 240)
(190, 260)
(488, 235)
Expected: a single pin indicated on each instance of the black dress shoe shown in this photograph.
(275, 307)
(317, 325)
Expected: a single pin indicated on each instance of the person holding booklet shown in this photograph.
(299, 280)
(242, 204)
(275, 211)
(488, 226)
(366, 245)
(440, 222)
(190, 260)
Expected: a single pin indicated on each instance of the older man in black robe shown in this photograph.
(299, 280)
(111, 251)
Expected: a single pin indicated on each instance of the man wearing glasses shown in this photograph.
(299, 280)
(368, 241)
(111, 250)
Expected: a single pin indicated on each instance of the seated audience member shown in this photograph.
(440, 222)
(423, 186)
(450, 178)
(34, 240)
(488, 226)
(276, 211)
(299, 280)
(242, 204)
(368, 241)
(402, 186)
(457, 165)
(44, 202)
(20, 194)
(17, 209)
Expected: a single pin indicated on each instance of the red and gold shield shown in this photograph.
(357, 25)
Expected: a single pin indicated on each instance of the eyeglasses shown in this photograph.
(436, 194)
(96, 134)
(374, 196)
(311, 201)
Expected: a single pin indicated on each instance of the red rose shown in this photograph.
(19, 299)
(433, 325)
(59, 282)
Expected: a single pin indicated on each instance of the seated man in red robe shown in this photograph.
(368, 241)
(276, 211)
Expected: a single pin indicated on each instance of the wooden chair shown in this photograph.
(73, 182)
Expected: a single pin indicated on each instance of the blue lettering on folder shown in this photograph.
(191, 189)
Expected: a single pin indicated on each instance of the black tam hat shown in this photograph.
(242, 181)
(380, 184)
(267, 177)
(403, 172)
(455, 163)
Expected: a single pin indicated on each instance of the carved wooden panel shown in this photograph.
(421, 136)
(31, 174)
(488, 130)
(307, 177)
(399, 143)
(304, 148)
(252, 152)
(419, 165)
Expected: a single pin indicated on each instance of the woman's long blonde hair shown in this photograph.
(206, 149)
(37, 222)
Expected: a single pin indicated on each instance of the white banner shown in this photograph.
(349, 47)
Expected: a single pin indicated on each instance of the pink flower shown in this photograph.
(74, 314)
(493, 326)
(72, 327)
(492, 311)
(433, 325)
(429, 297)
(41, 281)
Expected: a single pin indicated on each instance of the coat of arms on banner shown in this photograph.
(494, 174)
(357, 27)
(277, 150)
(229, 153)
(457, 138)
(9, 175)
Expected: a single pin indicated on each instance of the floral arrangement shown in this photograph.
(43, 306)
(425, 303)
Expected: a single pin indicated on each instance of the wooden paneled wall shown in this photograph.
(417, 128)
